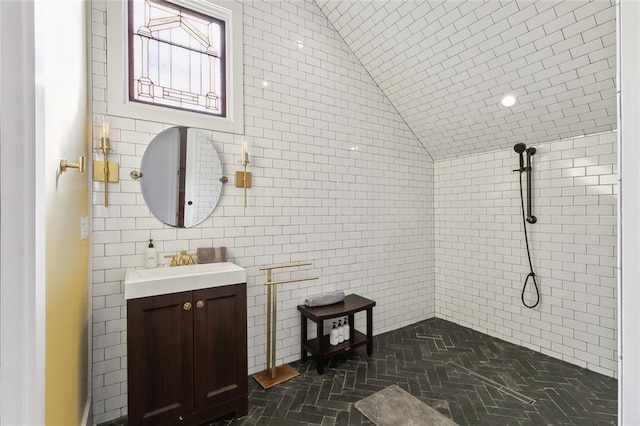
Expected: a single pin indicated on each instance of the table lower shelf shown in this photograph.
(357, 339)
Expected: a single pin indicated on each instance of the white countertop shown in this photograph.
(153, 282)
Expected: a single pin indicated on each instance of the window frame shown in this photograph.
(118, 102)
(223, 56)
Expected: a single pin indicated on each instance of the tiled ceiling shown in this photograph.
(445, 66)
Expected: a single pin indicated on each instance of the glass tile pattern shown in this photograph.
(176, 57)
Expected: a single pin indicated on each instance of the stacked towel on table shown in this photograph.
(324, 299)
(212, 254)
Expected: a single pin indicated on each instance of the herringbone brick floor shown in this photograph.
(468, 376)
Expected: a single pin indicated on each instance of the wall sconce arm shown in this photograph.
(80, 165)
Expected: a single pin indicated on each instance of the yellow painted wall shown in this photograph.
(62, 99)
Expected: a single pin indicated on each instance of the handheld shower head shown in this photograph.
(519, 148)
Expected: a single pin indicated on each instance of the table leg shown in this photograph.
(351, 325)
(303, 337)
(369, 331)
(320, 355)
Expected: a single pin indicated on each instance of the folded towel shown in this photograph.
(212, 254)
(324, 299)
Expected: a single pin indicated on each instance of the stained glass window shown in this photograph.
(176, 57)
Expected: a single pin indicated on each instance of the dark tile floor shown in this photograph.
(468, 376)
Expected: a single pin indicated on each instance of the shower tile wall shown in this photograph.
(481, 257)
(364, 217)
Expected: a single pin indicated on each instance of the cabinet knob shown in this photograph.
(186, 306)
(200, 304)
(180, 418)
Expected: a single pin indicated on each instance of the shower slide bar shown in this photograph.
(521, 148)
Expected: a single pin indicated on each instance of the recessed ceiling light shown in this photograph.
(509, 101)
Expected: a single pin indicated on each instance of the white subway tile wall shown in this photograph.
(338, 179)
(445, 65)
(481, 260)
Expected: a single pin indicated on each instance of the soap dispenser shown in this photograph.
(340, 332)
(151, 256)
(333, 335)
(346, 329)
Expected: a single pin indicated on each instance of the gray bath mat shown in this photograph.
(392, 406)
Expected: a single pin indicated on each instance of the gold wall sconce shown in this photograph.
(80, 165)
(105, 171)
(243, 178)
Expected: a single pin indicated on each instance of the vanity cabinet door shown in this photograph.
(160, 358)
(220, 347)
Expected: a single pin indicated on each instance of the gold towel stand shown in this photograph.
(275, 375)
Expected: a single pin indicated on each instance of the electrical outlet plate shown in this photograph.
(84, 227)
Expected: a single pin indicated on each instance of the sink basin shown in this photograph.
(152, 282)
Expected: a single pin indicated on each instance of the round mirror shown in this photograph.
(181, 175)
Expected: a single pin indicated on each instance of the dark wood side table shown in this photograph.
(320, 347)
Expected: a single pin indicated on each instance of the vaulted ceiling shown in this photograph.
(446, 65)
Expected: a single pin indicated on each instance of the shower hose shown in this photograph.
(531, 274)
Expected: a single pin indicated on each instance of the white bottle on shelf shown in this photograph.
(346, 330)
(340, 332)
(333, 335)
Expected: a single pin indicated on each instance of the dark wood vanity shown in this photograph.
(187, 356)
